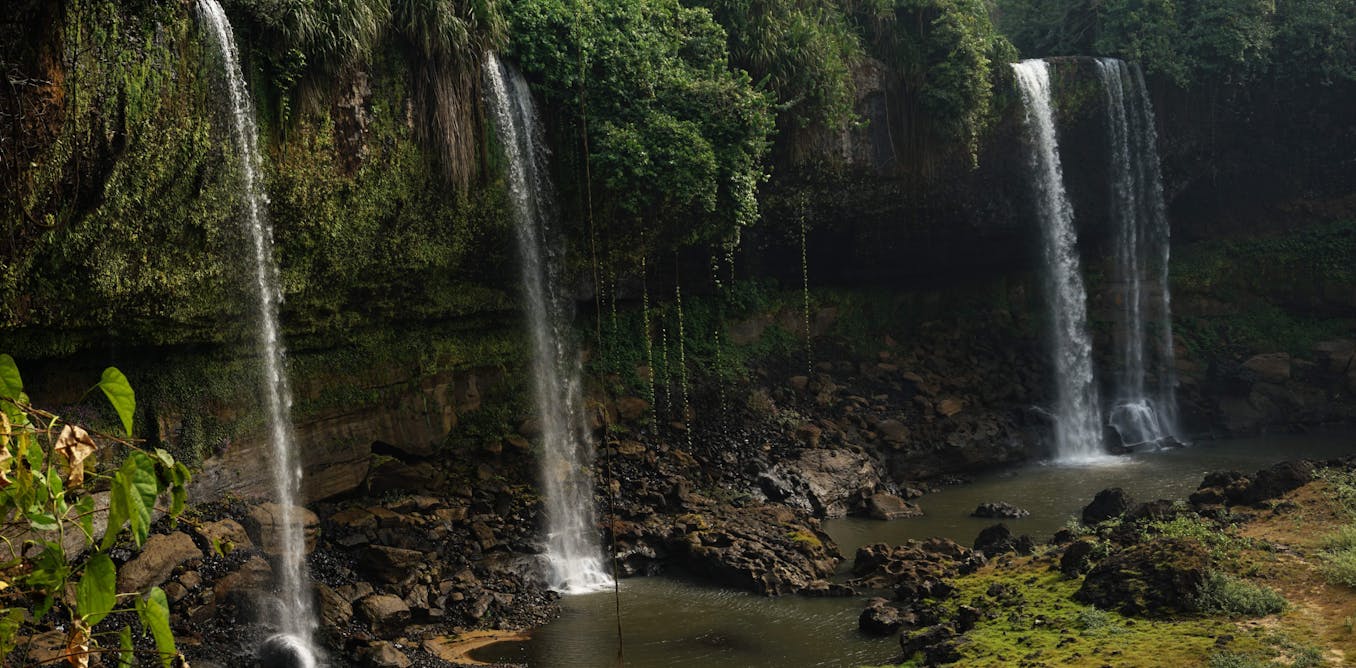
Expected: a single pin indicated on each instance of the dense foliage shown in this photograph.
(1196, 41)
(675, 137)
(947, 56)
(802, 51)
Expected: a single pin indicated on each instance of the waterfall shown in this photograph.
(572, 548)
(1078, 421)
(295, 618)
(1139, 415)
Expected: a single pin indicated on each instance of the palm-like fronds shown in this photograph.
(448, 40)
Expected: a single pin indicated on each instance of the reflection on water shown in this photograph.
(672, 622)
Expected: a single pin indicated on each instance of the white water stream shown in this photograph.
(295, 618)
(572, 546)
(1078, 419)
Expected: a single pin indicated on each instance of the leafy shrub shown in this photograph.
(46, 484)
(1339, 567)
(1235, 597)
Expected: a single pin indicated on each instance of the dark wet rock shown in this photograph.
(1159, 578)
(915, 570)
(1107, 504)
(967, 616)
(767, 549)
(1274, 482)
(1219, 487)
(998, 539)
(158, 558)
(1000, 510)
(879, 618)
(1153, 511)
(937, 644)
(886, 506)
(1234, 488)
(1077, 557)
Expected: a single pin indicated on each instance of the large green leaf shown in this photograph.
(97, 590)
(11, 383)
(154, 613)
(132, 497)
(120, 394)
(125, 651)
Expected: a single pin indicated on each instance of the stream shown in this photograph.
(671, 621)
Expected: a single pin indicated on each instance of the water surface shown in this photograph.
(668, 621)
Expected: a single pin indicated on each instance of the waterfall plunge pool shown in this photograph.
(672, 621)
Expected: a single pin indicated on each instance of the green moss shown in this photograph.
(1282, 292)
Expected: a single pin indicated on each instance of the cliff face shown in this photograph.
(124, 248)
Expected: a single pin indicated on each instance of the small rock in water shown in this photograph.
(1000, 510)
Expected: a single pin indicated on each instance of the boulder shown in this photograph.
(161, 554)
(1107, 504)
(997, 539)
(937, 644)
(893, 431)
(879, 618)
(386, 614)
(226, 534)
(1159, 578)
(389, 564)
(1077, 557)
(250, 576)
(1274, 482)
(1269, 368)
(382, 654)
(264, 523)
(335, 610)
(821, 481)
(999, 511)
(886, 506)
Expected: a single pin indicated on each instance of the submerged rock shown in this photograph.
(886, 506)
(1000, 510)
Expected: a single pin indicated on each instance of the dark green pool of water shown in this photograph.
(672, 622)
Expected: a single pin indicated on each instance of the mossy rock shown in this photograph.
(1160, 578)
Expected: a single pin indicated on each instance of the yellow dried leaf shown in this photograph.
(75, 444)
(77, 646)
(5, 430)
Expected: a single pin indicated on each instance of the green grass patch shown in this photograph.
(1235, 597)
(1047, 627)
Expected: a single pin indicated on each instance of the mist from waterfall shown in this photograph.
(1078, 420)
(294, 616)
(572, 547)
(1140, 414)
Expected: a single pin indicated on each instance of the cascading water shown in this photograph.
(572, 547)
(1078, 430)
(295, 618)
(1139, 415)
